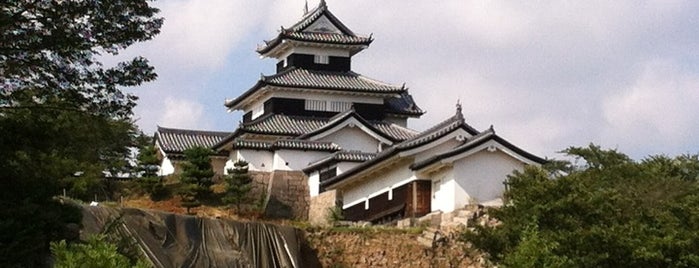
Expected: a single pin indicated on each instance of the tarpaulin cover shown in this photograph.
(172, 240)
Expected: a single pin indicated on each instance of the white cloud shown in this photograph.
(182, 113)
(659, 111)
(547, 74)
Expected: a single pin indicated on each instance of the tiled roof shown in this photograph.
(352, 81)
(341, 156)
(404, 104)
(286, 125)
(321, 80)
(440, 130)
(395, 131)
(474, 142)
(172, 140)
(325, 38)
(353, 156)
(296, 32)
(286, 144)
(279, 124)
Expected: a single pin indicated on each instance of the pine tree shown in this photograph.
(197, 176)
(239, 184)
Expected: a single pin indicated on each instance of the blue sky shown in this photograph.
(546, 74)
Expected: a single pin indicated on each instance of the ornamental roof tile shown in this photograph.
(172, 140)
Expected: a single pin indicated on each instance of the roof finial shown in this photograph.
(305, 8)
(458, 106)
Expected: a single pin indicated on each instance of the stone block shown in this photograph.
(447, 217)
(405, 223)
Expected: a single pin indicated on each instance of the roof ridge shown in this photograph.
(191, 131)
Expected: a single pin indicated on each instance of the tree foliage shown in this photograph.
(197, 176)
(96, 252)
(608, 211)
(238, 184)
(147, 168)
(64, 119)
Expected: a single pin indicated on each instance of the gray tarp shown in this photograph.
(172, 240)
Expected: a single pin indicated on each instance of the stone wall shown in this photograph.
(319, 210)
(288, 195)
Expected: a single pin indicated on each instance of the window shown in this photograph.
(316, 105)
(258, 111)
(321, 59)
(327, 106)
(339, 106)
(328, 173)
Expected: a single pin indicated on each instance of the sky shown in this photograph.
(546, 74)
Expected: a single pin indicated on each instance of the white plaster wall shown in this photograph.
(166, 167)
(376, 184)
(258, 160)
(314, 183)
(295, 159)
(353, 138)
(480, 176)
(443, 190)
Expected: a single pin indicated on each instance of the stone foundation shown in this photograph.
(319, 211)
(287, 195)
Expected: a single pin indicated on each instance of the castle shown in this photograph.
(348, 133)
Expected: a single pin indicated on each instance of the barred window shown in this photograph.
(316, 105)
(321, 59)
(339, 106)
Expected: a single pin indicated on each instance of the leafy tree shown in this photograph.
(238, 184)
(608, 211)
(64, 119)
(197, 176)
(97, 252)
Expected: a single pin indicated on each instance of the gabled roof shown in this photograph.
(341, 156)
(349, 82)
(389, 133)
(300, 32)
(295, 126)
(280, 124)
(472, 143)
(292, 144)
(176, 141)
(440, 130)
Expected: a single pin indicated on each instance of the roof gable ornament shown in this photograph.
(459, 114)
